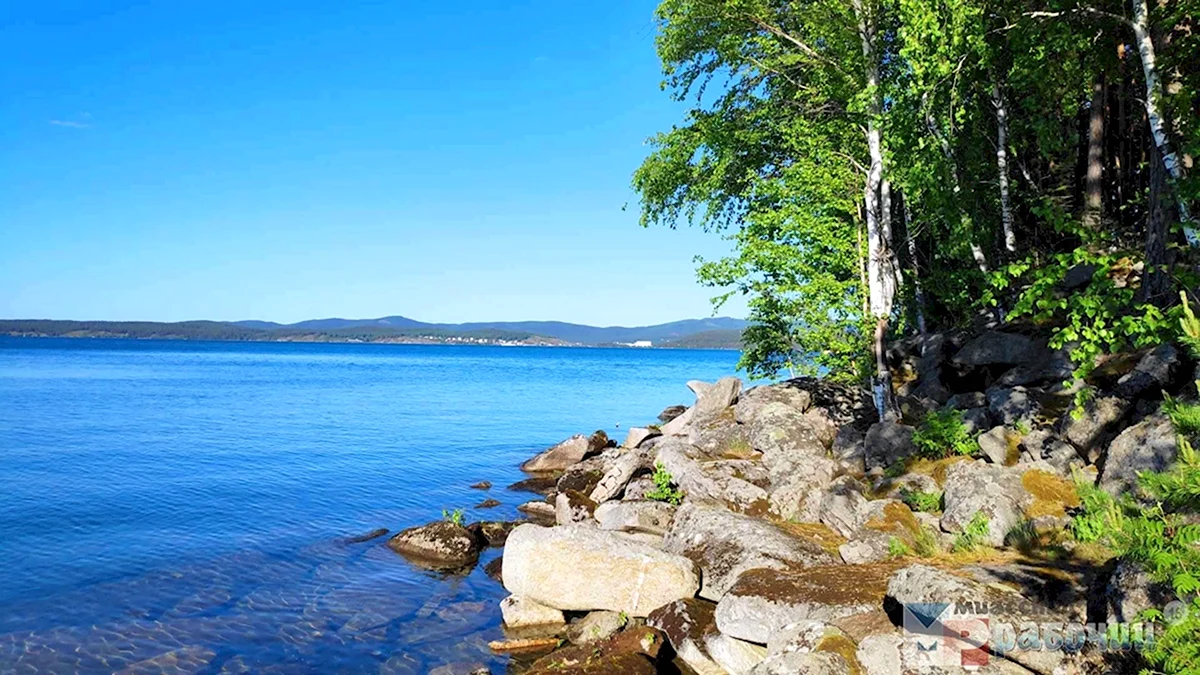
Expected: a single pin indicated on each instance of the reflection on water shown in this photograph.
(336, 607)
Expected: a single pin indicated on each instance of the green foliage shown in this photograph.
(943, 434)
(664, 490)
(1185, 416)
(897, 548)
(917, 500)
(455, 516)
(1101, 317)
(973, 534)
(1189, 327)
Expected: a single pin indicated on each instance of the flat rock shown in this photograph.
(519, 612)
(578, 568)
(813, 663)
(573, 507)
(1095, 426)
(765, 601)
(736, 657)
(1011, 405)
(438, 545)
(995, 446)
(671, 412)
(725, 544)
(699, 485)
(643, 516)
(784, 436)
(542, 513)
(1153, 373)
(595, 626)
(713, 400)
(637, 435)
(538, 485)
(753, 400)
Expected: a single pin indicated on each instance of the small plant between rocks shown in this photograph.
(943, 434)
(972, 535)
(455, 516)
(663, 490)
(918, 500)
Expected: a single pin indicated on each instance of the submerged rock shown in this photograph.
(482, 485)
(579, 568)
(439, 545)
(488, 504)
(494, 532)
(538, 485)
(373, 534)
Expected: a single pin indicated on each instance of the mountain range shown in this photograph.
(567, 332)
(716, 333)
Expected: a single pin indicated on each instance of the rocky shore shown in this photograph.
(784, 529)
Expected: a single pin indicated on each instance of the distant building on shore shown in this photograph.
(643, 343)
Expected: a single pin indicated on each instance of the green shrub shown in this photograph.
(897, 548)
(917, 500)
(455, 516)
(972, 535)
(943, 434)
(663, 490)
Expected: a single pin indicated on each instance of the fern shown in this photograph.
(943, 434)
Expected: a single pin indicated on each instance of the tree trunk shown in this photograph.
(918, 293)
(1093, 191)
(1156, 281)
(1170, 161)
(881, 280)
(956, 186)
(1006, 216)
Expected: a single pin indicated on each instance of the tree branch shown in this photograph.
(1080, 10)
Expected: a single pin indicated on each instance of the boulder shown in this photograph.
(573, 507)
(685, 623)
(596, 626)
(636, 489)
(1078, 276)
(493, 532)
(671, 412)
(799, 498)
(563, 455)
(1052, 366)
(1149, 445)
(765, 601)
(1153, 373)
(699, 485)
(784, 436)
(367, 536)
(643, 516)
(679, 426)
(637, 435)
(867, 546)
(618, 474)
(584, 476)
(725, 544)
(844, 508)
(519, 612)
(976, 419)
(495, 570)
(1011, 406)
(753, 400)
(578, 568)
(719, 435)
(736, 656)
(482, 485)
(488, 504)
(632, 651)
(849, 449)
(1130, 591)
(538, 485)
(997, 348)
(966, 401)
(1095, 426)
(542, 513)
(802, 636)
(996, 448)
(977, 487)
(439, 545)
(713, 400)
(800, 663)
(887, 443)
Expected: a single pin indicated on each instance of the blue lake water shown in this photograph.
(181, 506)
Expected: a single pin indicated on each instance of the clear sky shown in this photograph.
(294, 159)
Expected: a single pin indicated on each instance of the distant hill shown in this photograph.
(718, 333)
(569, 332)
(709, 339)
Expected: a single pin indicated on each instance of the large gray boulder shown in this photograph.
(713, 400)
(686, 622)
(799, 497)
(1130, 591)
(577, 568)
(803, 663)
(765, 601)
(1011, 406)
(784, 436)
(440, 545)
(737, 657)
(887, 443)
(844, 508)
(1089, 431)
(997, 348)
(754, 399)
(719, 435)
(993, 490)
(566, 453)
(1149, 445)
(618, 474)
(724, 544)
(519, 612)
(994, 445)
(701, 485)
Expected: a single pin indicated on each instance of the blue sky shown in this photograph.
(173, 159)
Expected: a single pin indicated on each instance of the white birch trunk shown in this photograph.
(1141, 32)
(1006, 216)
(881, 280)
(918, 293)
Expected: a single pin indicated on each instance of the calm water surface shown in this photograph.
(181, 506)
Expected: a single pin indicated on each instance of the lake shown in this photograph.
(183, 506)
